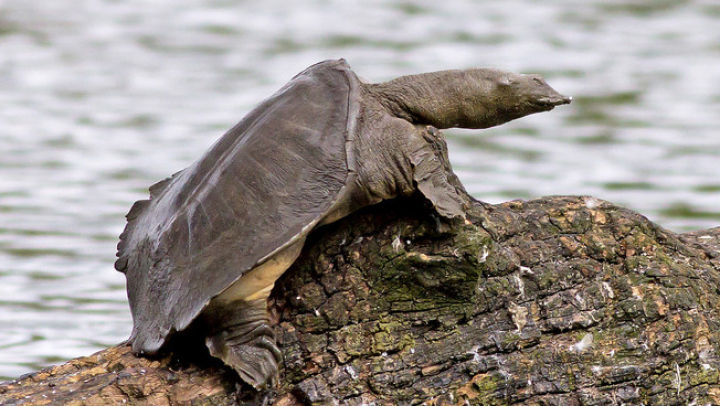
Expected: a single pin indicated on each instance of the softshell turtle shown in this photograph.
(212, 240)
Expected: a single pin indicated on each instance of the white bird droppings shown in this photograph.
(397, 244)
(583, 344)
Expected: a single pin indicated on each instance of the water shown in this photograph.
(101, 98)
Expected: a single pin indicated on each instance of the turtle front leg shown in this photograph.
(242, 338)
(434, 177)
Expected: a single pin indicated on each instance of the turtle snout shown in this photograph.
(555, 100)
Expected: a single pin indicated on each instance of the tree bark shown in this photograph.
(554, 301)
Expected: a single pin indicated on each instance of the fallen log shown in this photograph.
(554, 301)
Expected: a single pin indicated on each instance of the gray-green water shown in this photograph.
(101, 98)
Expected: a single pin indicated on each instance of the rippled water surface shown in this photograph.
(101, 98)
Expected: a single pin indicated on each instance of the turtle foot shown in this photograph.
(244, 340)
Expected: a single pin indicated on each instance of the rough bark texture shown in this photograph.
(554, 301)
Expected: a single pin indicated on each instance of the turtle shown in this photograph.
(212, 239)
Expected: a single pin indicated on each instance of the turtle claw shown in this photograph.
(256, 362)
(246, 343)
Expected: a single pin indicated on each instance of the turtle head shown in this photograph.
(517, 95)
(472, 98)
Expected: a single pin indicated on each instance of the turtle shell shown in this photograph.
(266, 183)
